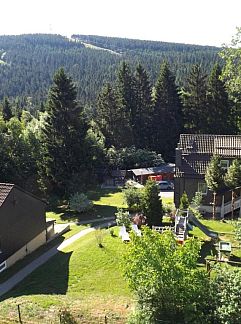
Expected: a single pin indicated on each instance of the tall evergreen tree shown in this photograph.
(6, 110)
(127, 97)
(167, 114)
(195, 101)
(143, 109)
(219, 117)
(64, 154)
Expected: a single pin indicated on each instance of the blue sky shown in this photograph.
(205, 22)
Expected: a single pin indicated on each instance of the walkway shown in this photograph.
(23, 273)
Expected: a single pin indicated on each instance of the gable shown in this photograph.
(5, 189)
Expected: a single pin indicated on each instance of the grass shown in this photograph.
(106, 202)
(83, 277)
(42, 249)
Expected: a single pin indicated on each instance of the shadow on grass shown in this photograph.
(207, 249)
(50, 278)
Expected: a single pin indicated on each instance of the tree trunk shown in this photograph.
(214, 204)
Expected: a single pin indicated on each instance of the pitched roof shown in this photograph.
(197, 150)
(5, 189)
(223, 145)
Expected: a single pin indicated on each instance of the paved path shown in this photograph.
(23, 273)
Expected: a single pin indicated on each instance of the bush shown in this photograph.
(133, 198)
(122, 218)
(80, 203)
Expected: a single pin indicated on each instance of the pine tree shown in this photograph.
(143, 109)
(214, 178)
(219, 117)
(167, 114)
(195, 101)
(64, 153)
(6, 110)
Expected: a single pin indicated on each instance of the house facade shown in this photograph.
(22, 224)
(193, 154)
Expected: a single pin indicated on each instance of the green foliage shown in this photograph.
(225, 287)
(231, 55)
(184, 202)
(123, 218)
(165, 278)
(232, 178)
(133, 198)
(237, 231)
(152, 204)
(214, 174)
(131, 157)
(166, 121)
(64, 148)
(220, 119)
(79, 202)
(99, 236)
(194, 101)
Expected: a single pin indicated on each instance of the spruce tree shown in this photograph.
(195, 101)
(127, 100)
(214, 178)
(219, 117)
(143, 108)
(167, 114)
(64, 164)
(152, 204)
(6, 110)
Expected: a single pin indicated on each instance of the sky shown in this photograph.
(204, 22)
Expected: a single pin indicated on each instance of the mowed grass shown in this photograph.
(83, 277)
(106, 202)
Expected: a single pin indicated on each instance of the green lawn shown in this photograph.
(74, 229)
(83, 277)
(105, 202)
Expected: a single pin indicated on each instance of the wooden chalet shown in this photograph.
(193, 154)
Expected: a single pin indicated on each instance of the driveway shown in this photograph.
(167, 194)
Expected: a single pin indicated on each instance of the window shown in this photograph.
(224, 164)
(202, 187)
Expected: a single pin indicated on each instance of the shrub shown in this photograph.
(122, 218)
(184, 202)
(80, 203)
(133, 198)
(99, 235)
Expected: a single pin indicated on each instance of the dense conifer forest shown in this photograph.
(28, 62)
(71, 108)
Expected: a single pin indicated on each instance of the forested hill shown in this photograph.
(28, 62)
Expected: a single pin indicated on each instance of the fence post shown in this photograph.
(19, 315)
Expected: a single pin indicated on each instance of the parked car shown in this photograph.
(165, 185)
